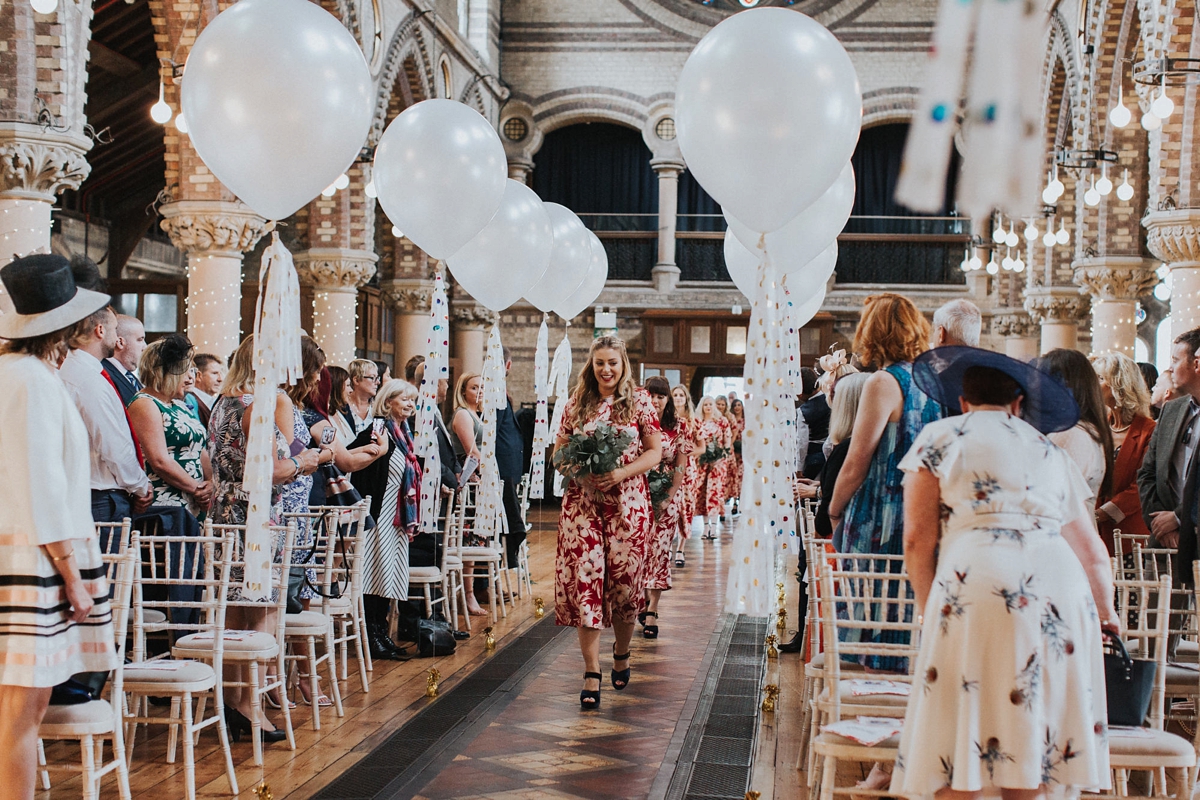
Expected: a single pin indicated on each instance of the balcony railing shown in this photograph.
(872, 249)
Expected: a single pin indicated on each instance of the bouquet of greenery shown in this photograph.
(712, 454)
(660, 480)
(597, 453)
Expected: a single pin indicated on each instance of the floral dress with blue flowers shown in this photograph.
(1008, 688)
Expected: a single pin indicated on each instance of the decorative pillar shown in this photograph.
(335, 274)
(519, 169)
(35, 165)
(1020, 334)
(1058, 309)
(410, 300)
(1115, 283)
(214, 234)
(1174, 237)
(665, 273)
(470, 336)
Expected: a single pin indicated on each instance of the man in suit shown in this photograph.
(122, 365)
(210, 374)
(510, 459)
(1167, 480)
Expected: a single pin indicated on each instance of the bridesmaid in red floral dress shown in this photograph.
(676, 447)
(606, 520)
(691, 474)
(737, 425)
(713, 430)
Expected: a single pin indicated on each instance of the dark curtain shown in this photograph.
(694, 200)
(876, 161)
(596, 168)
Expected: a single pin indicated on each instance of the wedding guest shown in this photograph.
(691, 476)
(414, 373)
(122, 365)
(957, 322)
(713, 432)
(814, 413)
(605, 519)
(384, 370)
(209, 374)
(1128, 402)
(468, 438)
(1089, 442)
(56, 620)
(510, 458)
(339, 407)
(737, 426)
(364, 384)
(676, 447)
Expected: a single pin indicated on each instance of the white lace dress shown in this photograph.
(1008, 688)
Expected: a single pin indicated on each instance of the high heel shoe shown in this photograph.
(679, 562)
(238, 723)
(589, 699)
(620, 678)
(650, 631)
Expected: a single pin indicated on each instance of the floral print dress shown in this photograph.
(733, 479)
(294, 500)
(600, 562)
(692, 478)
(668, 520)
(185, 441)
(710, 493)
(1009, 681)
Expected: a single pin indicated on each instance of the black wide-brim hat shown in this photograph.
(43, 297)
(1047, 405)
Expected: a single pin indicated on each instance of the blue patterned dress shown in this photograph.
(295, 501)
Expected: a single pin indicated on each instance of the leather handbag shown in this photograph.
(1129, 682)
(435, 638)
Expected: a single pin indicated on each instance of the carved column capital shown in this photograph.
(1116, 277)
(1056, 304)
(407, 297)
(212, 227)
(667, 167)
(1014, 324)
(37, 164)
(473, 316)
(335, 269)
(1174, 236)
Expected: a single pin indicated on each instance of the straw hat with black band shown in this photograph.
(44, 297)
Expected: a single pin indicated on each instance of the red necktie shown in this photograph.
(136, 445)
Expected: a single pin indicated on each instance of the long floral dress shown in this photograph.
(294, 500)
(692, 479)
(600, 562)
(185, 438)
(711, 493)
(668, 519)
(1010, 676)
(733, 479)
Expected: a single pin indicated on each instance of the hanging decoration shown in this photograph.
(437, 367)
(489, 503)
(560, 382)
(276, 361)
(541, 426)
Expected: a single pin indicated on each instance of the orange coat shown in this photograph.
(1124, 482)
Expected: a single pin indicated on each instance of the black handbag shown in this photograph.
(1128, 683)
(434, 638)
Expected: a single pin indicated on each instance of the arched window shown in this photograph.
(1162, 344)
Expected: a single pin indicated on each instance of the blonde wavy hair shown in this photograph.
(587, 387)
(1129, 389)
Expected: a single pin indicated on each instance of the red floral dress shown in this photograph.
(600, 564)
(668, 520)
(711, 492)
(733, 479)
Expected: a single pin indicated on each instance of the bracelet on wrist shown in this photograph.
(297, 465)
(63, 557)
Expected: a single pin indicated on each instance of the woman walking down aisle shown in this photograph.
(714, 433)
(1127, 398)
(1016, 590)
(605, 520)
(737, 426)
(676, 447)
(1089, 442)
(691, 469)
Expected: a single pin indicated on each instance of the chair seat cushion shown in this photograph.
(425, 574)
(336, 606)
(152, 616)
(94, 717)
(891, 743)
(1182, 681)
(169, 675)
(847, 697)
(479, 554)
(1187, 650)
(239, 645)
(305, 623)
(1127, 746)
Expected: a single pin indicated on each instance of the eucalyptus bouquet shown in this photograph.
(712, 454)
(660, 479)
(595, 453)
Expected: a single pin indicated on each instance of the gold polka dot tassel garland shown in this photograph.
(431, 683)
(770, 692)
(539, 608)
(489, 639)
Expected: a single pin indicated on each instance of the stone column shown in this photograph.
(214, 234)
(1058, 309)
(471, 325)
(665, 272)
(35, 165)
(1020, 334)
(1174, 237)
(335, 274)
(410, 300)
(1115, 283)
(520, 168)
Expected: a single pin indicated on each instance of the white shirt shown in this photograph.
(114, 459)
(205, 397)
(128, 373)
(1085, 452)
(45, 464)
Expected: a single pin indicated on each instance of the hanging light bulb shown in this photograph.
(1151, 122)
(329, 191)
(1091, 196)
(992, 268)
(1104, 185)
(1063, 236)
(181, 123)
(1056, 185)
(1163, 105)
(965, 264)
(1120, 115)
(160, 112)
(1125, 190)
(976, 263)
(342, 181)
(1018, 265)
(998, 234)
(1163, 292)
(1011, 239)
(396, 232)
(1031, 231)
(1048, 239)
(44, 6)
(1007, 263)
(369, 189)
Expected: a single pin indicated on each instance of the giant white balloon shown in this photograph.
(807, 308)
(440, 174)
(593, 283)
(569, 260)
(510, 254)
(742, 266)
(768, 111)
(278, 99)
(810, 232)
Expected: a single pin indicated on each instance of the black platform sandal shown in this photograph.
(620, 678)
(642, 617)
(589, 700)
(650, 631)
(679, 562)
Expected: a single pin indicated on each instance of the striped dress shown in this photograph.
(44, 498)
(385, 547)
